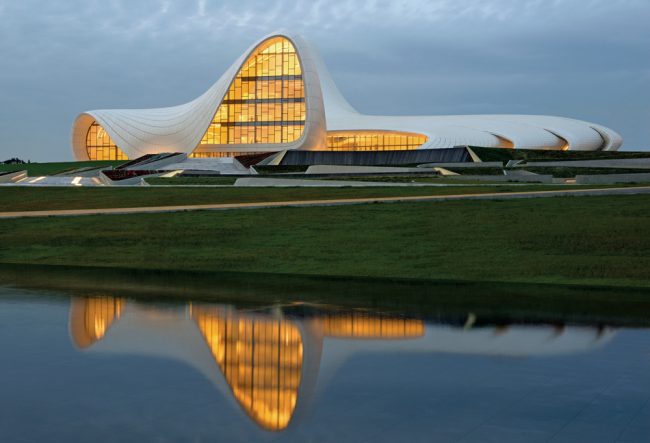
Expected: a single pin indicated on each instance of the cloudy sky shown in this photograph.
(587, 59)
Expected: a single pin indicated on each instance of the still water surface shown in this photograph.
(111, 369)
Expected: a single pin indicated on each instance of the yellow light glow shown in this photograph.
(90, 318)
(265, 103)
(374, 140)
(360, 325)
(100, 146)
(504, 142)
(261, 359)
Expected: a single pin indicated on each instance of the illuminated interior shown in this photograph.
(91, 318)
(265, 102)
(261, 359)
(504, 142)
(361, 325)
(100, 146)
(373, 140)
(565, 145)
(203, 154)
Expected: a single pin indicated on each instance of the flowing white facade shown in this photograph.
(279, 95)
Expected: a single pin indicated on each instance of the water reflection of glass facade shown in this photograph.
(373, 140)
(362, 325)
(100, 146)
(265, 102)
(93, 317)
(261, 359)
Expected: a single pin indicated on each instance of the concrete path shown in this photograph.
(332, 202)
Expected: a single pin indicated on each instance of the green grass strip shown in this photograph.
(574, 240)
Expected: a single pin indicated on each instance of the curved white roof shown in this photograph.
(180, 128)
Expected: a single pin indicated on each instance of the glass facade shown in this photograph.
(203, 154)
(265, 102)
(373, 140)
(100, 146)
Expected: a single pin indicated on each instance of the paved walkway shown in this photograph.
(332, 202)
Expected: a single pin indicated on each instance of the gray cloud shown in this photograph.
(588, 59)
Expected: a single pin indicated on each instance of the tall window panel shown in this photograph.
(265, 102)
(373, 140)
(100, 146)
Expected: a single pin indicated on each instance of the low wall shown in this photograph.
(504, 178)
(298, 183)
(375, 158)
(463, 165)
(610, 179)
(635, 163)
(341, 169)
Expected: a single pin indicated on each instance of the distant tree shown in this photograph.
(14, 161)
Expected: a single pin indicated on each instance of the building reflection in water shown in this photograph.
(270, 362)
(261, 359)
(91, 322)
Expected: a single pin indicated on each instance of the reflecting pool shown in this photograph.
(103, 368)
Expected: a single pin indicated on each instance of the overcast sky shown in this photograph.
(587, 59)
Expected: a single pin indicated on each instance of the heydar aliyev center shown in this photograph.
(279, 96)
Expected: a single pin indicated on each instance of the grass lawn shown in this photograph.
(39, 169)
(575, 240)
(48, 198)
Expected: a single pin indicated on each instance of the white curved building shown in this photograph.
(279, 95)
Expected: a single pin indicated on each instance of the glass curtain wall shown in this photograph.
(373, 140)
(100, 146)
(203, 154)
(265, 102)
